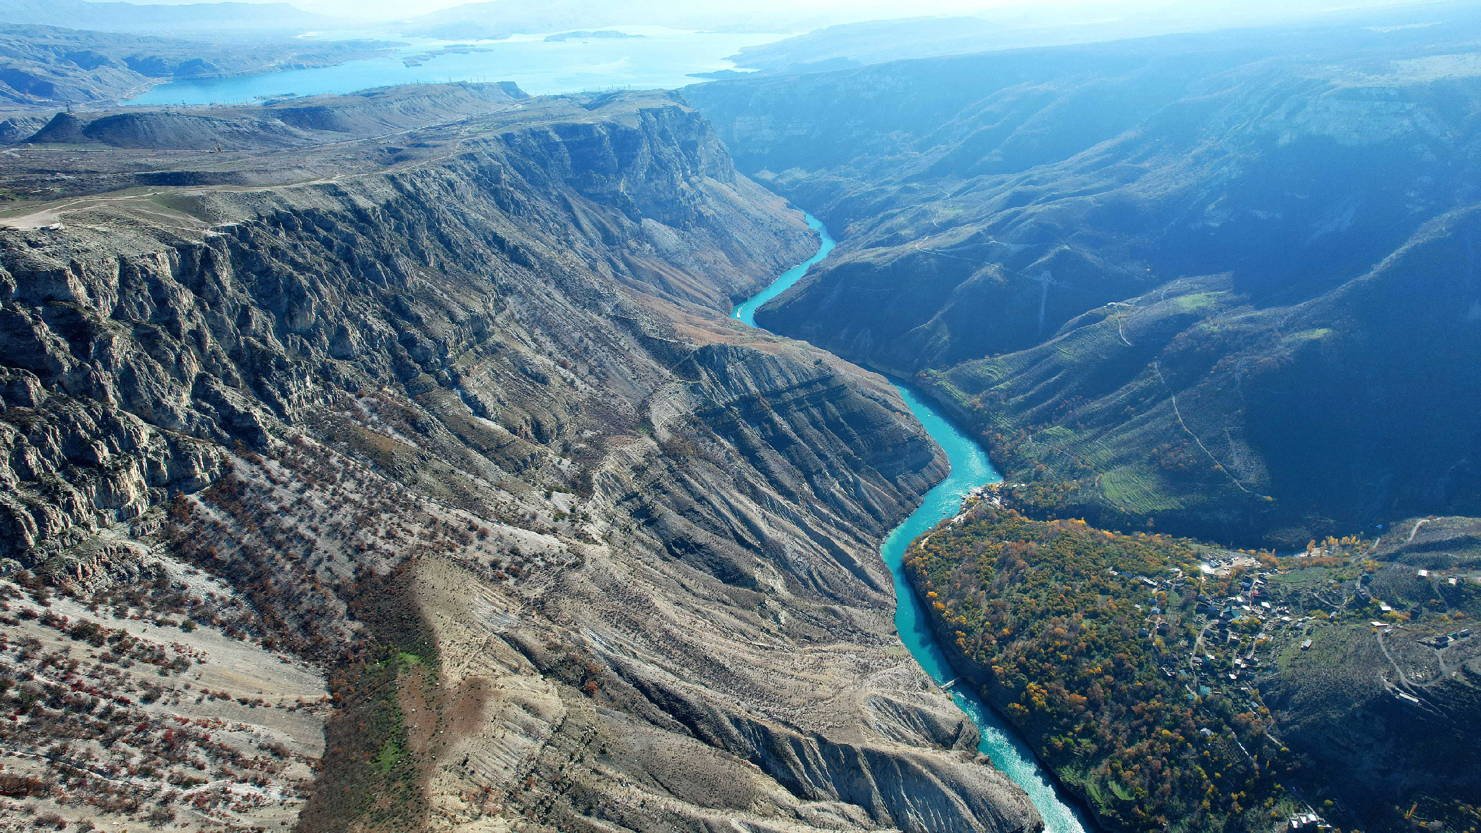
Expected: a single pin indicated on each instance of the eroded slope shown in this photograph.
(462, 425)
(1144, 271)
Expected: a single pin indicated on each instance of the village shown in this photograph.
(1244, 610)
(1221, 629)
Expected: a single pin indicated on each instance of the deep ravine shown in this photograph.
(970, 469)
(632, 546)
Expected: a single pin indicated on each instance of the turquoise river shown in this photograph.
(970, 469)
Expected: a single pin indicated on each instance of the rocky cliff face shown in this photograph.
(462, 422)
(1125, 263)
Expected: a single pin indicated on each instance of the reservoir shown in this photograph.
(970, 468)
(635, 57)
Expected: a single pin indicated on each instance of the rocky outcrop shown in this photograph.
(18, 128)
(487, 394)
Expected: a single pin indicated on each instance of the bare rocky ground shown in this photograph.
(118, 710)
(449, 427)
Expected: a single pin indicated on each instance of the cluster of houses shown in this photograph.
(1225, 652)
(1445, 639)
(1307, 822)
(1236, 624)
(1233, 625)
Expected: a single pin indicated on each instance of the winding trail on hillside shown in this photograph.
(1178, 414)
(970, 469)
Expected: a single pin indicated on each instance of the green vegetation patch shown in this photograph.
(392, 755)
(1197, 301)
(1136, 490)
(372, 775)
(1084, 640)
(1138, 665)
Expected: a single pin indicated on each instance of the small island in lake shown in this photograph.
(605, 34)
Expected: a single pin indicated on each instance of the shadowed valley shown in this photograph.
(1168, 280)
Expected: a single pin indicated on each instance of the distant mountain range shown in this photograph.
(1223, 284)
(1016, 27)
(214, 19)
(508, 17)
(48, 66)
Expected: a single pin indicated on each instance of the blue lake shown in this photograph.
(970, 468)
(657, 58)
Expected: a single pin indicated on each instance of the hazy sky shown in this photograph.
(411, 8)
(844, 9)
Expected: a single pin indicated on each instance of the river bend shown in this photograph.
(970, 469)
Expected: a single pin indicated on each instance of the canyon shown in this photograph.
(1168, 280)
(451, 417)
(444, 457)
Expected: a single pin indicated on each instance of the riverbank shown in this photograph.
(970, 469)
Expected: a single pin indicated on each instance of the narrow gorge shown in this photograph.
(969, 473)
(382, 452)
(452, 421)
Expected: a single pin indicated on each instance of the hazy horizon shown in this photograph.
(830, 12)
(778, 416)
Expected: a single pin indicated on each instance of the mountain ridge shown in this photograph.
(469, 431)
(1008, 203)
